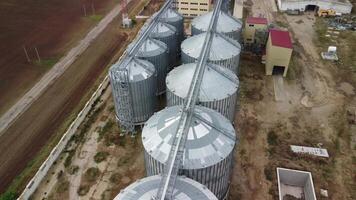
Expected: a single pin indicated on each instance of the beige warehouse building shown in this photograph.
(193, 8)
(255, 30)
(278, 52)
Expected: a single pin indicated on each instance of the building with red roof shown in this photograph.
(256, 20)
(256, 30)
(279, 50)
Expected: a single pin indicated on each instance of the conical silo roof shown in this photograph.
(138, 69)
(206, 145)
(222, 47)
(226, 23)
(146, 188)
(218, 82)
(163, 30)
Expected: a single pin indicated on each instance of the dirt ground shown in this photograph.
(121, 164)
(313, 113)
(53, 27)
(48, 116)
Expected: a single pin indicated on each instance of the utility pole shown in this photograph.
(27, 57)
(92, 8)
(38, 55)
(85, 10)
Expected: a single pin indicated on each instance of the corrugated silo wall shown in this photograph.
(144, 98)
(226, 107)
(179, 25)
(231, 63)
(172, 43)
(160, 62)
(216, 177)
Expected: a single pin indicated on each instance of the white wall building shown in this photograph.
(340, 6)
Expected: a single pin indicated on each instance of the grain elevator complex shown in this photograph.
(188, 145)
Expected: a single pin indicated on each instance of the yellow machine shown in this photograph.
(326, 13)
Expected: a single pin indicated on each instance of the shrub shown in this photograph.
(272, 138)
(83, 190)
(91, 174)
(100, 156)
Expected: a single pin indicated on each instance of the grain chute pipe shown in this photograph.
(165, 191)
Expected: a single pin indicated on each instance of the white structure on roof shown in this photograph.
(310, 150)
(340, 6)
(295, 183)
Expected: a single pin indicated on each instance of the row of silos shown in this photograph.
(145, 83)
(208, 156)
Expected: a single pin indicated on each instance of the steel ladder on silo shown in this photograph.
(125, 104)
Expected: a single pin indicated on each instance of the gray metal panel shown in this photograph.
(175, 19)
(219, 88)
(224, 51)
(142, 83)
(156, 52)
(227, 25)
(167, 34)
(146, 188)
(208, 153)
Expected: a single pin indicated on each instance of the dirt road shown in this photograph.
(58, 69)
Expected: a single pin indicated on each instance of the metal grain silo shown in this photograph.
(185, 189)
(167, 34)
(175, 19)
(156, 52)
(139, 76)
(218, 90)
(208, 154)
(227, 25)
(224, 51)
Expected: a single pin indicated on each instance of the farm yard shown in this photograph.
(319, 97)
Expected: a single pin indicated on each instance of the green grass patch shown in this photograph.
(272, 138)
(101, 156)
(96, 18)
(105, 129)
(91, 174)
(8, 195)
(46, 63)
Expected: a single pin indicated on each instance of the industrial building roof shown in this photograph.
(185, 189)
(281, 38)
(226, 22)
(138, 69)
(256, 20)
(206, 145)
(222, 47)
(218, 82)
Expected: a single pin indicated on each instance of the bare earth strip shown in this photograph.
(57, 70)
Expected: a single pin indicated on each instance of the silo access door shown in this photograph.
(278, 70)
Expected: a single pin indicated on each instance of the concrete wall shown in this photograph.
(296, 178)
(57, 150)
(309, 189)
(344, 8)
(277, 56)
(238, 9)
